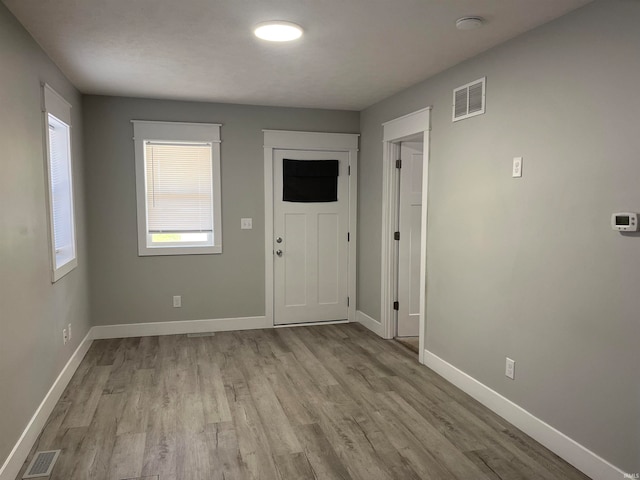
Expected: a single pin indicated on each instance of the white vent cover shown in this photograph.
(469, 100)
(42, 464)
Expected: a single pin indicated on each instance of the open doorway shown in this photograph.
(408, 236)
(404, 228)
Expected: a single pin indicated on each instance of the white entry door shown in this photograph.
(409, 249)
(310, 247)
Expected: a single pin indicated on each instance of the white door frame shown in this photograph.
(394, 131)
(330, 142)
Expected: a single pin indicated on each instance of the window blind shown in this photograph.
(179, 187)
(62, 208)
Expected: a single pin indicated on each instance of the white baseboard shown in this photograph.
(21, 450)
(579, 456)
(370, 323)
(179, 327)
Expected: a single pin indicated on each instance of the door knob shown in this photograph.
(279, 239)
(279, 253)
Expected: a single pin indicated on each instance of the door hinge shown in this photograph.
(348, 301)
(396, 235)
(398, 163)
(396, 305)
(349, 170)
(348, 236)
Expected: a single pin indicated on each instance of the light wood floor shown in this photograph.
(328, 402)
(412, 343)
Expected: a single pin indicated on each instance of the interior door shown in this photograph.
(410, 212)
(310, 240)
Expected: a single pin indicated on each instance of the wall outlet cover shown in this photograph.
(246, 223)
(510, 368)
(517, 167)
(177, 301)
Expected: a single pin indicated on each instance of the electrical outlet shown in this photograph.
(510, 369)
(65, 337)
(177, 301)
(517, 167)
(69, 331)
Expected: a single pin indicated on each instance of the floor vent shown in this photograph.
(203, 334)
(154, 477)
(42, 464)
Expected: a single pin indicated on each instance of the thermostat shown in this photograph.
(624, 222)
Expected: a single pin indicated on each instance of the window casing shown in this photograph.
(178, 188)
(57, 117)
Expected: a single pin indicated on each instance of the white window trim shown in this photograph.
(179, 132)
(53, 103)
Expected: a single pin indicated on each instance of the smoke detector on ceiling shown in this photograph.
(469, 23)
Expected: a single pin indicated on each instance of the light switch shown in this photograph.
(246, 223)
(517, 167)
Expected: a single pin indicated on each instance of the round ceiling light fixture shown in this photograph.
(278, 31)
(469, 23)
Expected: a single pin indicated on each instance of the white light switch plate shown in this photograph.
(177, 301)
(517, 167)
(246, 223)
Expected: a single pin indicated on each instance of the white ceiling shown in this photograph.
(353, 54)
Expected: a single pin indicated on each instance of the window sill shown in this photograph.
(58, 273)
(144, 251)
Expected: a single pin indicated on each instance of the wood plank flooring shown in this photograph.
(412, 343)
(324, 402)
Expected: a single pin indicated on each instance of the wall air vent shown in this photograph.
(469, 100)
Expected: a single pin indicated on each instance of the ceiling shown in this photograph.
(353, 54)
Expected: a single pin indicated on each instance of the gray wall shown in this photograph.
(131, 289)
(33, 312)
(529, 268)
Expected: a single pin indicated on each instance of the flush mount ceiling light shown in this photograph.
(469, 23)
(278, 31)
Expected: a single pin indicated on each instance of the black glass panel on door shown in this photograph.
(310, 180)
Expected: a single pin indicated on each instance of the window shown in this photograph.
(178, 188)
(60, 183)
